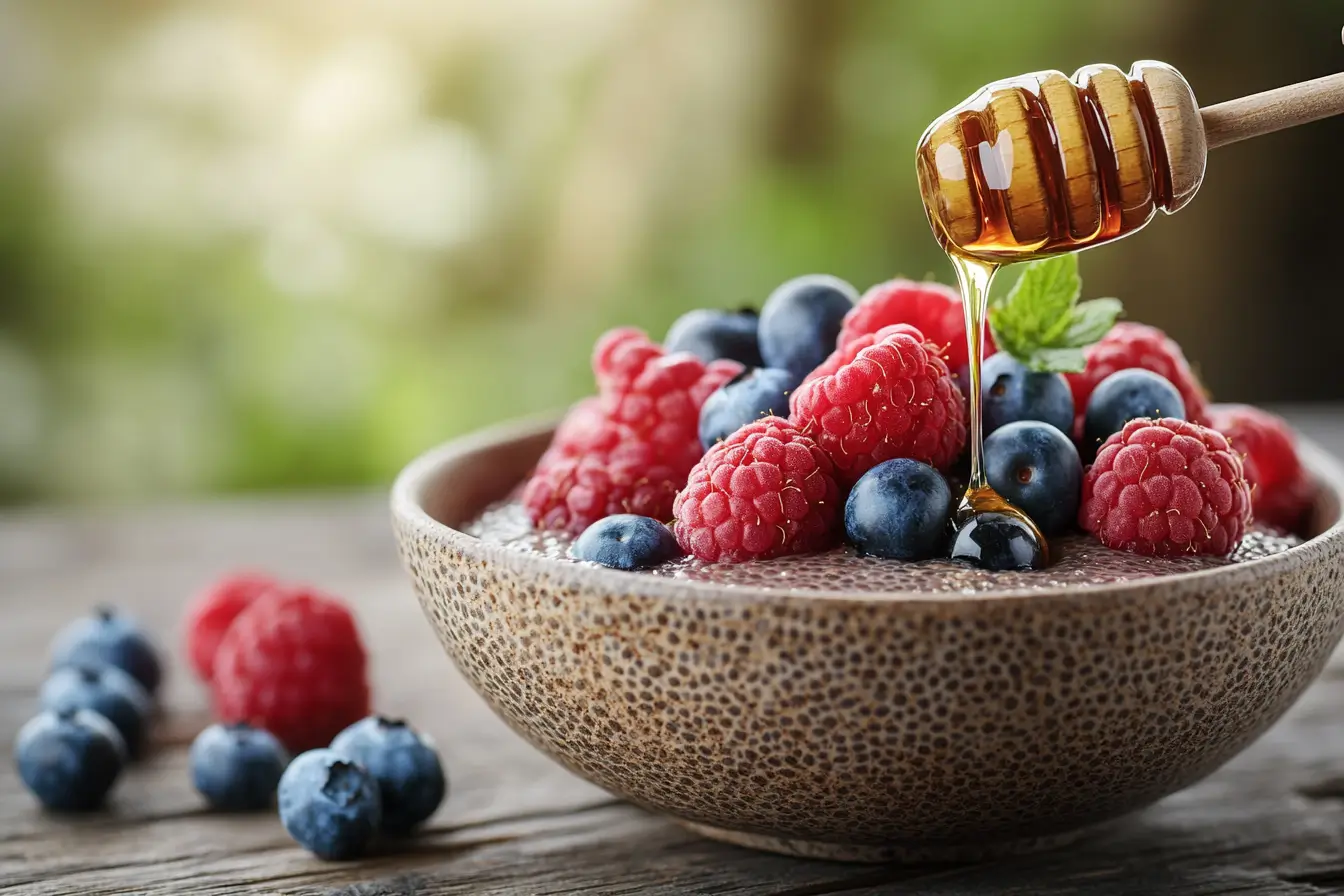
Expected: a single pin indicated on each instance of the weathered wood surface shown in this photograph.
(1271, 822)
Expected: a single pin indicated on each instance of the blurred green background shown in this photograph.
(258, 245)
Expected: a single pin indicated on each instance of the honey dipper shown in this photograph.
(1041, 163)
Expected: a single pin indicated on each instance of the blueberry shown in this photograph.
(710, 334)
(237, 767)
(801, 320)
(69, 759)
(1009, 392)
(112, 638)
(626, 541)
(1125, 395)
(748, 396)
(106, 690)
(997, 542)
(899, 510)
(1037, 468)
(330, 804)
(403, 762)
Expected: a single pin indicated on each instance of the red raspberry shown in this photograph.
(884, 395)
(1166, 487)
(932, 308)
(1281, 489)
(213, 611)
(764, 491)
(1136, 345)
(570, 493)
(585, 428)
(292, 663)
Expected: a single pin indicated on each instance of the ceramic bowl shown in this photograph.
(867, 726)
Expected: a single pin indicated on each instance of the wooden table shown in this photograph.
(1271, 822)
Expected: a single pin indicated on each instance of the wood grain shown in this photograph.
(1273, 110)
(1272, 822)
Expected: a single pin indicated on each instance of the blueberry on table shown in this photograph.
(997, 542)
(711, 334)
(69, 759)
(237, 767)
(626, 541)
(113, 638)
(899, 510)
(751, 395)
(801, 320)
(1125, 395)
(329, 804)
(405, 764)
(1010, 392)
(106, 690)
(1037, 468)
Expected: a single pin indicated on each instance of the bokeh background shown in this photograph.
(257, 245)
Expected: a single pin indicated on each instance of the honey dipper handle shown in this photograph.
(1273, 110)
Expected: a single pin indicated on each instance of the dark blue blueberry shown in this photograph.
(111, 638)
(403, 762)
(748, 396)
(1125, 395)
(997, 542)
(69, 759)
(1009, 392)
(330, 804)
(1037, 468)
(106, 690)
(237, 767)
(899, 509)
(626, 541)
(801, 320)
(710, 334)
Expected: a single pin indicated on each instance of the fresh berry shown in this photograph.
(1166, 487)
(112, 638)
(884, 395)
(584, 428)
(801, 321)
(997, 542)
(405, 764)
(213, 611)
(899, 510)
(1037, 468)
(69, 759)
(293, 664)
(106, 690)
(237, 767)
(763, 392)
(1124, 396)
(1010, 392)
(711, 334)
(626, 541)
(329, 804)
(1282, 490)
(764, 491)
(1128, 345)
(932, 308)
(569, 494)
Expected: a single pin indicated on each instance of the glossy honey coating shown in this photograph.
(1041, 163)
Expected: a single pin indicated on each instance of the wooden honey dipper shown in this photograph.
(1040, 164)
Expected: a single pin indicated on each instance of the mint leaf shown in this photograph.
(1092, 320)
(1040, 321)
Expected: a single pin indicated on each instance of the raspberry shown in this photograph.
(1136, 345)
(1166, 487)
(293, 664)
(585, 428)
(1281, 489)
(884, 395)
(213, 611)
(570, 493)
(932, 308)
(764, 491)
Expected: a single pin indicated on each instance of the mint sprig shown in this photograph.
(1040, 321)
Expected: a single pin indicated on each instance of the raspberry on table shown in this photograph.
(884, 395)
(213, 611)
(1282, 490)
(932, 308)
(293, 664)
(1165, 488)
(765, 491)
(1130, 344)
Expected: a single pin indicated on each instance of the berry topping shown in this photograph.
(997, 542)
(106, 690)
(1166, 487)
(329, 804)
(69, 759)
(213, 611)
(626, 541)
(1010, 392)
(1036, 468)
(405, 764)
(711, 334)
(1124, 396)
(932, 308)
(1136, 345)
(801, 321)
(899, 509)
(1281, 489)
(113, 638)
(765, 491)
(237, 767)
(569, 494)
(763, 392)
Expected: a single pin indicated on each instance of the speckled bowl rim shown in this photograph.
(419, 478)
